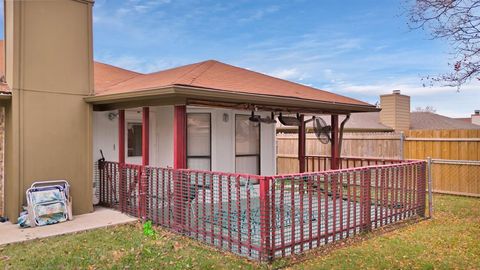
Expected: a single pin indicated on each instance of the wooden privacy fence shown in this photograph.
(455, 158)
(451, 151)
(381, 145)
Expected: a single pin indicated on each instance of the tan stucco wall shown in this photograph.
(49, 68)
(2, 151)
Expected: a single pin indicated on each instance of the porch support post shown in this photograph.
(180, 190)
(121, 158)
(301, 145)
(335, 155)
(121, 136)
(145, 136)
(180, 137)
(145, 161)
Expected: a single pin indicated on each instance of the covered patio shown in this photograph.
(246, 208)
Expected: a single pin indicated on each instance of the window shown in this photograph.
(134, 139)
(198, 141)
(247, 145)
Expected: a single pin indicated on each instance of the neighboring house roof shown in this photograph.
(428, 120)
(370, 122)
(358, 122)
(465, 119)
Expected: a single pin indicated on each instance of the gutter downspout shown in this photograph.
(342, 125)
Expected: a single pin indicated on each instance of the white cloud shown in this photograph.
(288, 74)
(259, 14)
(408, 86)
(139, 64)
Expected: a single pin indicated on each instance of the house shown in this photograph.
(62, 108)
(396, 116)
(473, 119)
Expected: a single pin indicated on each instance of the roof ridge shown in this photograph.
(287, 81)
(122, 81)
(210, 64)
(198, 65)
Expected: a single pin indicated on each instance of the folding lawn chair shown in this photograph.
(49, 202)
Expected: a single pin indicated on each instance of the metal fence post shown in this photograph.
(402, 145)
(366, 198)
(122, 193)
(142, 185)
(430, 196)
(421, 188)
(178, 200)
(265, 246)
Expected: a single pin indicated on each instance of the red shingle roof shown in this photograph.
(106, 76)
(219, 76)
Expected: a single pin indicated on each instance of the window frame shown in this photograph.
(210, 138)
(259, 155)
(133, 122)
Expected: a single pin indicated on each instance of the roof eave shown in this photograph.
(179, 94)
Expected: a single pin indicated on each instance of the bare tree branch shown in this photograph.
(458, 22)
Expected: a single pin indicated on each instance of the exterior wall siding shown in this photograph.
(161, 138)
(2, 153)
(49, 67)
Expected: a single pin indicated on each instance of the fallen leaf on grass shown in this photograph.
(4, 258)
(117, 255)
(177, 246)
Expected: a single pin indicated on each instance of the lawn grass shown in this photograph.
(450, 241)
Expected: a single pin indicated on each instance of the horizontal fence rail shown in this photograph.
(266, 217)
(316, 163)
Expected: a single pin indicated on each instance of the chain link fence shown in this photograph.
(458, 177)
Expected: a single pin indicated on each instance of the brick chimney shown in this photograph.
(476, 118)
(395, 111)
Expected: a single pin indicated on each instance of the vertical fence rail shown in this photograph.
(266, 217)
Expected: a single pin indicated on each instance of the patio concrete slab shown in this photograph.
(101, 217)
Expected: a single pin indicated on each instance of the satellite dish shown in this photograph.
(322, 130)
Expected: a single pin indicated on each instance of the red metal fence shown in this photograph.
(264, 217)
(311, 209)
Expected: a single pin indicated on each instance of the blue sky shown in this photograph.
(356, 48)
